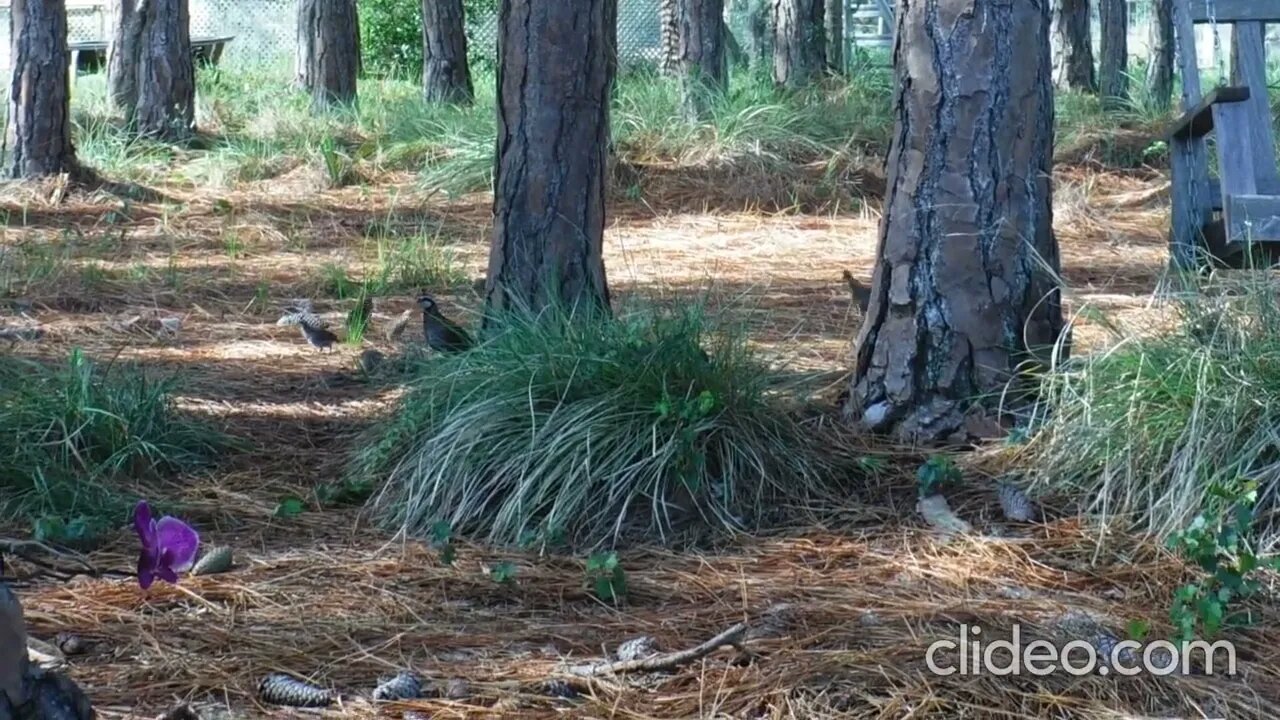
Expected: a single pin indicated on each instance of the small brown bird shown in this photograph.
(861, 293)
(441, 333)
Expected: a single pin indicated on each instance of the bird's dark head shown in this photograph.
(427, 303)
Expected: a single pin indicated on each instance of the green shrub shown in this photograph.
(587, 430)
(391, 37)
(1149, 430)
(67, 432)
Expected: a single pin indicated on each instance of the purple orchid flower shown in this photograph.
(168, 546)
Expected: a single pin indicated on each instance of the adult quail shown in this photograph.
(441, 333)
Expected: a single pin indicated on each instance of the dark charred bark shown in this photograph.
(1114, 62)
(446, 76)
(703, 64)
(799, 43)
(1160, 69)
(29, 692)
(960, 297)
(550, 171)
(151, 77)
(1076, 71)
(328, 51)
(39, 136)
(835, 35)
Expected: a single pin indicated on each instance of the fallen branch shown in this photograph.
(667, 661)
(27, 550)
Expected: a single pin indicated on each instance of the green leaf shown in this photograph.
(448, 554)
(503, 573)
(49, 528)
(604, 588)
(441, 531)
(1138, 629)
(290, 506)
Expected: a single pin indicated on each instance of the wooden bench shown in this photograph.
(1225, 219)
(91, 55)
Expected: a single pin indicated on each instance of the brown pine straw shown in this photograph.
(325, 597)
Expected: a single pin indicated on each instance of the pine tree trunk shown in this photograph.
(835, 35)
(550, 172)
(760, 35)
(328, 51)
(151, 77)
(446, 76)
(1160, 69)
(1076, 72)
(669, 40)
(959, 299)
(799, 43)
(703, 64)
(39, 133)
(1114, 50)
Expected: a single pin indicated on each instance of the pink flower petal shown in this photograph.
(178, 543)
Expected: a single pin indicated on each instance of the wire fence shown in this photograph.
(263, 31)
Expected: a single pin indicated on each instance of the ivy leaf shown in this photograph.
(290, 506)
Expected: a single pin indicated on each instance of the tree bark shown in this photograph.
(1114, 63)
(1076, 71)
(26, 691)
(669, 40)
(446, 76)
(151, 77)
(960, 296)
(835, 35)
(328, 51)
(799, 45)
(760, 35)
(39, 133)
(550, 171)
(1160, 69)
(703, 64)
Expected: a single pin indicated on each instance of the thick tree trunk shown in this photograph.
(39, 136)
(445, 74)
(151, 77)
(1076, 71)
(328, 51)
(1114, 63)
(1160, 69)
(703, 64)
(835, 35)
(960, 298)
(550, 171)
(799, 43)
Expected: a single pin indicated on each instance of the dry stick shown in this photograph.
(25, 549)
(733, 636)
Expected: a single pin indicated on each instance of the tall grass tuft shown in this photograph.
(1160, 428)
(590, 431)
(68, 432)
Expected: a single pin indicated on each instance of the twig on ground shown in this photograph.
(667, 661)
(28, 549)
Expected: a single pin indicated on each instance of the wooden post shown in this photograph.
(1189, 158)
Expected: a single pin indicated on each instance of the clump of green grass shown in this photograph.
(1150, 432)
(588, 430)
(420, 260)
(70, 434)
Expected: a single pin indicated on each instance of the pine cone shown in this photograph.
(215, 560)
(280, 689)
(404, 686)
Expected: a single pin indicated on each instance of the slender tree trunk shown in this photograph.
(959, 298)
(835, 35)
(760, 35)
(550, 171)
(328, 51)
(1076, 71)
(703, 64)
(1160, 69)
(669, 40)
(39, 133)
(1114, 63)
(445, 74)
(151, 77)
(28, 691)
(799, 44)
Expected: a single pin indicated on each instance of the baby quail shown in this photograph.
(397, 328)
(861, 293)
(312, 328)
(441, 333)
